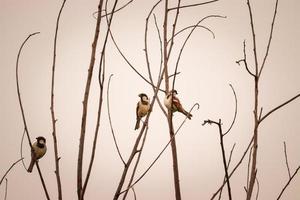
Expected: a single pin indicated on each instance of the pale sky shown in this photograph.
(207, 67)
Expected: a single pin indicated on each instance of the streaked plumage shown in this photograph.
(176, 105)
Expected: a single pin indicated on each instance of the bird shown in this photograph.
(142, 109)
(176, 105)
(38, 150)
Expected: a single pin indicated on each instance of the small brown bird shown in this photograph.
(142, 109)
(176, 105)
(39, 149)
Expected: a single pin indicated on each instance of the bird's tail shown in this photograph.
(187, 114)
(137, 124)
(31, 165)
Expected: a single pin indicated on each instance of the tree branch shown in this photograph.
(53, 119)
(192, 5)
(9, 170)
(110, 122)
(85, 102)
(278, 107)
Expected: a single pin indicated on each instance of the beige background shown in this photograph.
(207, 67)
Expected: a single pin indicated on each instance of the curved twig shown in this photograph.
(117, 10)
(193, 26)
(244, 60)
(186, 40)
(22, 110)
(162, 151)
(9, 170)
(18, 87)
(235, 111)
(6, 186)
(110, 121)
(192, 5)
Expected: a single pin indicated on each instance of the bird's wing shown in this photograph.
(137, 110)
(177, 103)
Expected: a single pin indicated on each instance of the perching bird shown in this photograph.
(142, 109)
(39, 149)
(176, 105)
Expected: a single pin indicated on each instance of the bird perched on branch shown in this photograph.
(38, 150)
(142, 109)
(175, 104)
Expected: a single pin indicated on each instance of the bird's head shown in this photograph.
(41, 140)
(143, 97)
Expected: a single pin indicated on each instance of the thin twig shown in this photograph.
(278, 107)
(22, 109)
(270, 39)
(287, 184)
(244, 60)
(117, 10)
(53, 118)
(257, 193)
(85, 102)
(185, 42)
(101, 82)
(110, 122)
(235, 168)
(6, 187)
(136, 163)
(192, 5)
(9, 170)
(286, 160)
(219, 124)
(42, 179)
(147, 55)
(228, 164)
(235, 110)
(193, 26)
(21, 150)
(18, 88)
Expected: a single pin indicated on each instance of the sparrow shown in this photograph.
(176, 105)
(142, 109)
(38, 150)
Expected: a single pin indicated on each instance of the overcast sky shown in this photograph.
(207, 67)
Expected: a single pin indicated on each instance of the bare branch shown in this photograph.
(187, 38)
(234, 169)
(192, 5)
(100, 101)
(117, 10)
(9, 170)
(136, 164)
(85, 102)
(286, 160)
(257, 182)
(235, 111)
(287, 184)
(278, 107)
(53, 118)
(42, 180)
(110, 121)
(22, 109)
(21, 149)
(219, 124)
(270, 39)
(244, 60)
(6, 186)
(253, 38)
(18, 87)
